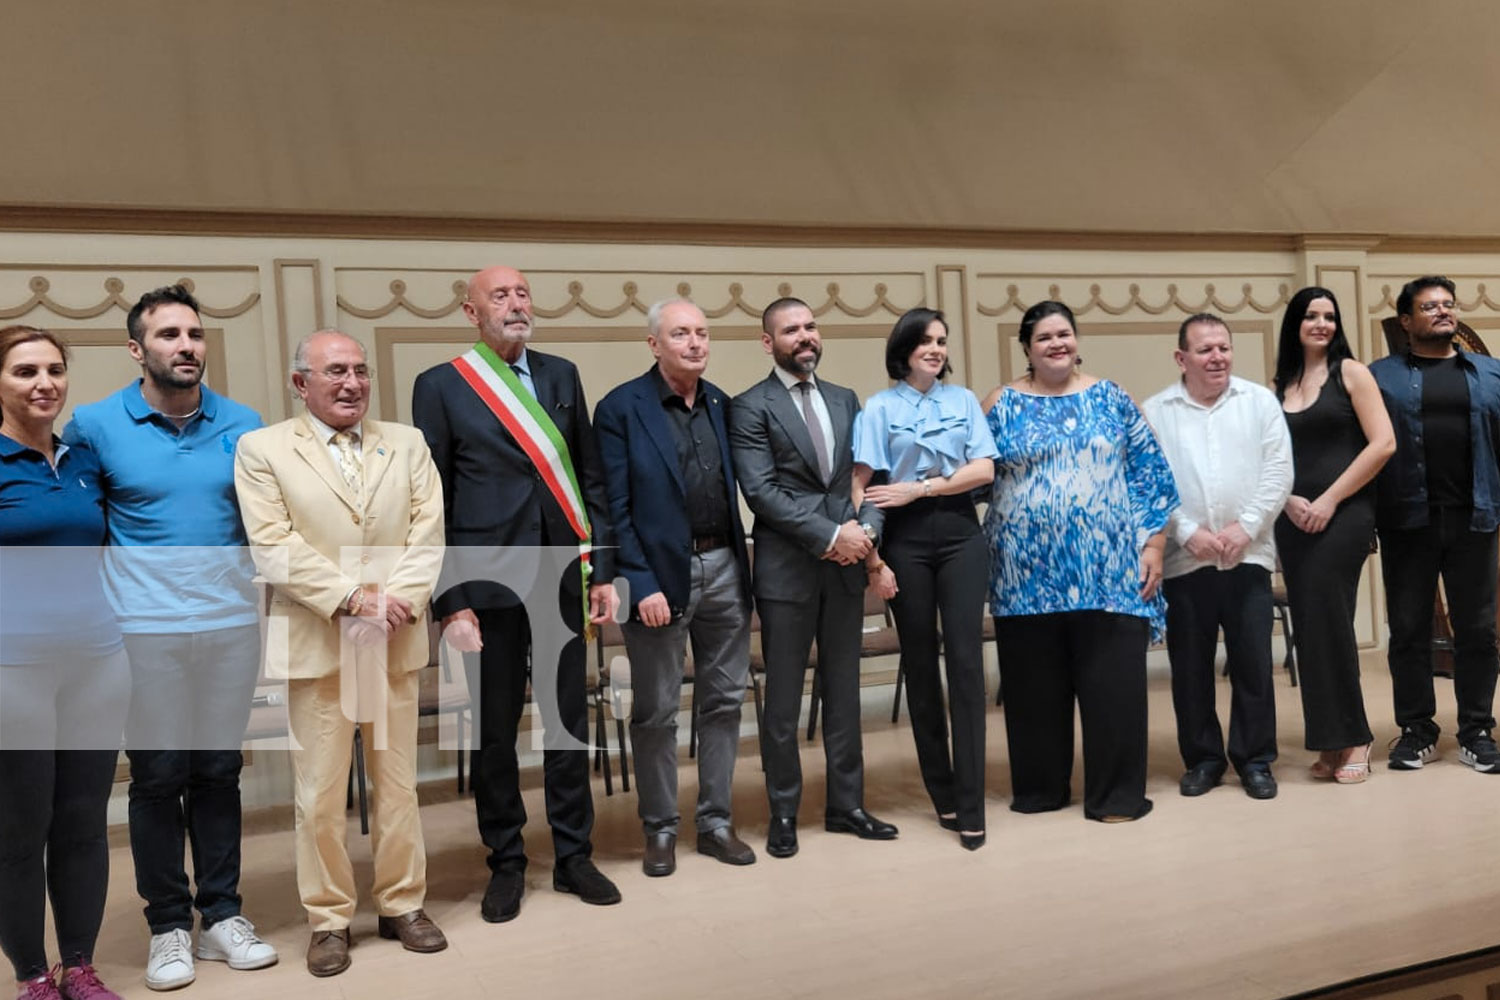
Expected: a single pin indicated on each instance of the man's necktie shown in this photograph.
(350, 463)
(815, 428)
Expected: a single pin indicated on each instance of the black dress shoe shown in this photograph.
(723, 845)
(971, 841)
(781, 838)
(1258, 783)
(502, 900)
(948, 822)
(1201, 777)
(861, 824)
(661, 854)
(578, 876)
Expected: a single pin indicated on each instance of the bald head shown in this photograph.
(498, 303)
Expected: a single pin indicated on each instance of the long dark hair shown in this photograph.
(1289, 352)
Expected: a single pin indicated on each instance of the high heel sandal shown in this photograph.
(1326, 764)
(1356, 768)
(948, 822)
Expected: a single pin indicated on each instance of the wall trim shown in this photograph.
(219, 222)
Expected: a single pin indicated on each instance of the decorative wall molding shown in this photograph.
(114, 287)
(1211, 301)
(1388, 294)
(833, 302)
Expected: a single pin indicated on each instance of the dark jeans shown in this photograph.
(1198, 603)
(189, 704)
(941, 562)
(1411, 562)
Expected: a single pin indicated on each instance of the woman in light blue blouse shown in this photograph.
(930, 442)
(1081, 497)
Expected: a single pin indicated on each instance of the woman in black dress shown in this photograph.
(1341, 436)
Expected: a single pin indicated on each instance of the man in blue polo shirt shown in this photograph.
(179, 577)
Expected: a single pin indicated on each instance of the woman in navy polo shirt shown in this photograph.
(64, 679)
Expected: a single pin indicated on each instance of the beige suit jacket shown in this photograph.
(315, 540)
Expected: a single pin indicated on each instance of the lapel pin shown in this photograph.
(380, 451)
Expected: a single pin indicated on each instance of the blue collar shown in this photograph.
(140, 410)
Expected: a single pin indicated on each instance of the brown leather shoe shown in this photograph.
(415, 930)
(328, 952)
(724, 845)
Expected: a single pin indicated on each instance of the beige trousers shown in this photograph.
(322, 713)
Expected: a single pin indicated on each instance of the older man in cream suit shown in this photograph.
(346, 515)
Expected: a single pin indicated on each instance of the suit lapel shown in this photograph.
(784, 410)
(654, 418)
(716, 416)
(376, 456)
(315, 454)
(541, 377)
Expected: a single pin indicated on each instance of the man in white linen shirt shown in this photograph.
(1227, 443)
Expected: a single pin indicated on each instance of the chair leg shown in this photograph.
(760, 722)
(364, 792)
(1291, 649)
(813, 705)
(462, 742)
(900, 684)
(601, 736)
(624, 759)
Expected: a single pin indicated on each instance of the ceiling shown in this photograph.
(1278, 116)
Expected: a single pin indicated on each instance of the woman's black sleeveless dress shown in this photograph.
(1322, 570)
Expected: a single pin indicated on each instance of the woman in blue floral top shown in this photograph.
(930, 442)
(1081, 497)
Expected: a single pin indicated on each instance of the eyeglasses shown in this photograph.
(1432, 307)
(338, 373)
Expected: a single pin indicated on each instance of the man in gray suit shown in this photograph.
(791, 439)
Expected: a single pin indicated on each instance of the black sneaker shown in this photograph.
(1479, 752)
(1411, 750)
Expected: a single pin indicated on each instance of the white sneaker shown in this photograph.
(170, 962)
(234, 941)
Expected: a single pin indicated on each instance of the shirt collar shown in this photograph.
(139, 409)
(1458, 352)
(523, 362)
(906, 391)
(1177, 392)
(791, 381)
(326, 434)
(666, 393)
(10, 448)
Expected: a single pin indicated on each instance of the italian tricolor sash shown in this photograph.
(518, 411)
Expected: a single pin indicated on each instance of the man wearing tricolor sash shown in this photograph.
(509, 431)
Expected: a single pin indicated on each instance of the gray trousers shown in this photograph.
(717, 623)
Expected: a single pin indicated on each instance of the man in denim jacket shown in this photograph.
(1438, 511)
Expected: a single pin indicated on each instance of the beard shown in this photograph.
(165, 376)
(787, 361)
(498, 331)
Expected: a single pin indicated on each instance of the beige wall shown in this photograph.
(402, 299)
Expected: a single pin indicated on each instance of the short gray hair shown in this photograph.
(653, 315)
(299, 355)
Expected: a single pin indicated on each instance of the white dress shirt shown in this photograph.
(1232, 462)
(326, 434)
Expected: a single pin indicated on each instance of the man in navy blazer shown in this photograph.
(664, 441)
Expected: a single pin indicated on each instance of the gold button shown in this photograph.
(354, 518)
(364, 560)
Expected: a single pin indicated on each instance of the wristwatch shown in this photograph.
(869, 530)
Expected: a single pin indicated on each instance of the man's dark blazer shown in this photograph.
(647, 502)
(492, 493)
(795, 513)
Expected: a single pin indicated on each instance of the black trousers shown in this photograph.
(1322, 581)
(1198, 603)
(54, 808)
(941, 562)
(787, 629)
(1411, 562)
(499, 673)
(1048, 661)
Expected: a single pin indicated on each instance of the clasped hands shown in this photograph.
(380, 614)
(1310, 516)
(850, 545)
(1225, 548)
